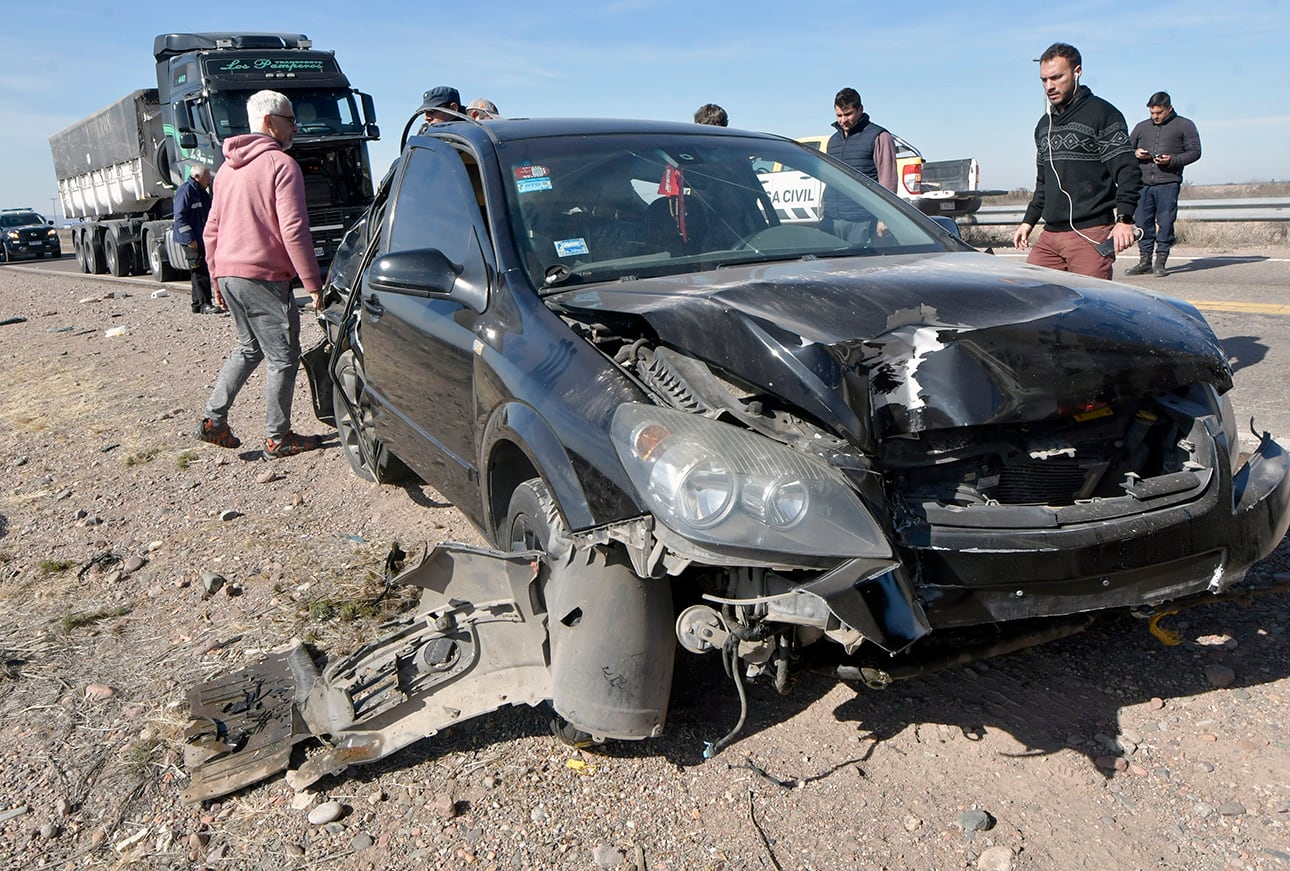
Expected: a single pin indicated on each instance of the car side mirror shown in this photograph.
(422, 272)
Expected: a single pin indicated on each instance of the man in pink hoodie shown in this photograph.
(257, 240)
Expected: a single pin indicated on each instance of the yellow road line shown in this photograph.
(1251, 308)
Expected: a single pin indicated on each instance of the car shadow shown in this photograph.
(1243, 351)
(418, 492)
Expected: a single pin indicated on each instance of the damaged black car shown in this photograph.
(681, 419)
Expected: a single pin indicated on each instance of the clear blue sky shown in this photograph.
(955, 79)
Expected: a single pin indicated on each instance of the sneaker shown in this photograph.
(217, 434)
(291, 444)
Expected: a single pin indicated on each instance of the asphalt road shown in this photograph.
(1245, 298)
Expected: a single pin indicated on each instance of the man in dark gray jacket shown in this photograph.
(1163, 144)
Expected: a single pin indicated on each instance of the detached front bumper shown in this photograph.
(996, 573)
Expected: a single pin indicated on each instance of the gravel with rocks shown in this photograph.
(1105, 750)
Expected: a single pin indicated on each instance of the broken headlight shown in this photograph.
(718, 484)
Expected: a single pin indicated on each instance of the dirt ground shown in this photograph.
(1109, 749)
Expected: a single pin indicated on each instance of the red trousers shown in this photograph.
(1068, 251)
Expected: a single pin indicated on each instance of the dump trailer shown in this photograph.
(118, 169)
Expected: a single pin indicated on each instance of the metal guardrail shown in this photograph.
(1252, 209)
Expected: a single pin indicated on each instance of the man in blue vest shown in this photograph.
(866, 148)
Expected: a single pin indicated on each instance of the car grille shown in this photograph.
(1051, 482)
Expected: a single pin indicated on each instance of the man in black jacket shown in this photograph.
(1087, 186)
(1163, 145)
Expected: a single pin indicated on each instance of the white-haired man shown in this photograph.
(257, 240)
(482, 110)
(192, 205)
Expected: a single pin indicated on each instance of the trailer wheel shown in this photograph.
(78, 245)
(161, 269)
(94, 254)
(117, 261)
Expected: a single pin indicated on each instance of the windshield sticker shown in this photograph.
(570, 247)
(531, 170)
(528, 185)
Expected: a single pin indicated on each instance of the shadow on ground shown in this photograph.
(1243, 351)
(1200, 264)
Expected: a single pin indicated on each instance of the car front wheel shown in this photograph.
(532, 521)
(603, 620)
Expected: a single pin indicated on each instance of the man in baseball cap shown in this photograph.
(441, 103)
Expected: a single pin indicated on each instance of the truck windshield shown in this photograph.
(601, 208)
(318, 112)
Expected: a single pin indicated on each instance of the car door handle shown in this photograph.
(373, 304)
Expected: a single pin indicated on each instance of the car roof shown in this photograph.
(515, 129)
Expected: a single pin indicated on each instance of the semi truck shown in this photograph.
(118, 169)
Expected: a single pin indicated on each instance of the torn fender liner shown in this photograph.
(476, 642)
(243, 726)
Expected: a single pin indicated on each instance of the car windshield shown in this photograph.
(608, 207)
(20, 219)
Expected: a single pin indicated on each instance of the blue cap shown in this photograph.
(439, 97)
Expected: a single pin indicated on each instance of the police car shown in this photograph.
(25, 233)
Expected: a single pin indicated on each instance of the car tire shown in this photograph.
(368, 456)
(584, 590)
(532, 521)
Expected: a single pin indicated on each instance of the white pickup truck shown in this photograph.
(949, 188)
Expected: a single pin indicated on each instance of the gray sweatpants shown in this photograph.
(268, 328)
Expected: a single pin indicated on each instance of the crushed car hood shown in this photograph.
(917, 342)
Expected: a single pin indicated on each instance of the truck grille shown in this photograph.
(328, 226)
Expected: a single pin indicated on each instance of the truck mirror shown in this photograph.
(179, 112)
(372, 131)
(369, 110)
(187, 139)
